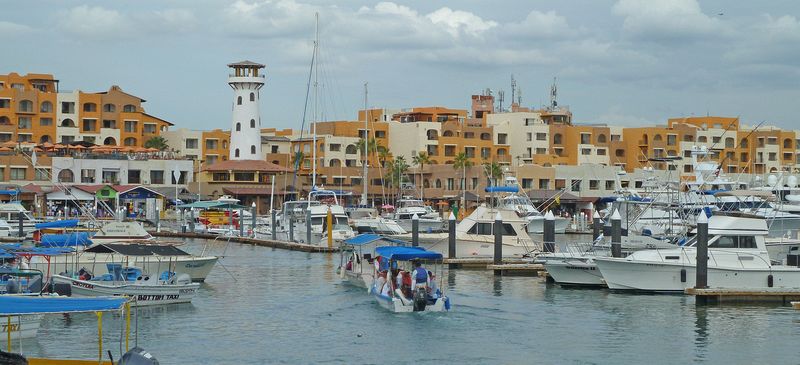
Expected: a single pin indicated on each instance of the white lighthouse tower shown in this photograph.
(246, 81)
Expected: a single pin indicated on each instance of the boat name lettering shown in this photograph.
(186, 291)
(157, 297)
(82, 285)
(14, 327)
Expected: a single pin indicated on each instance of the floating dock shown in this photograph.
(782, 296)
(293, 246)
(479, 262)
(527, 269)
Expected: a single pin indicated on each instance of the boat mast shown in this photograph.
(316, 119)
(366, 149)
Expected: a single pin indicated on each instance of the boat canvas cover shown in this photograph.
(137, 250)
(367, 238)
(502, 189)
(67, 223)
(19, 305)
(407, 253)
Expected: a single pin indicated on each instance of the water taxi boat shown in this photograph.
(426, 297)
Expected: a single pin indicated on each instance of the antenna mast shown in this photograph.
(366, 147)
(553, 95)
(513, 89)
(316, 99)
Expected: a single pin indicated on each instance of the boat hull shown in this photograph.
(574, 272)
(26, 326)
(396, 305)
(142, 295)
(621, 274)
(536, 226)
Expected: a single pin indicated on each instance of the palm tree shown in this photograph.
(462, 162)
(397, 168)
(493, 171)
(297, 159)
(383, 155)
(420, 160)
(157, 142)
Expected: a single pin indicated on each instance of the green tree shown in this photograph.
(397, 168)
(297, 159)
(493, 171)
(421, 159)
(462, 162)
(157, 142)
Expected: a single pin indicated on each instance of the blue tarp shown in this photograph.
(64, 240)
(367, 238)
(13, 305)
(502, 189)
(66, 223)
(407, 253)
(9, 192)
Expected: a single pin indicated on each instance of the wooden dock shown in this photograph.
(781, 296)
(293, 246)
(526, 269)
(479, 262)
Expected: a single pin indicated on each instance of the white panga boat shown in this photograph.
(356, 266)
(19, 283)
(149, 257)
(410, 296)
(143, 289)
(737, 258)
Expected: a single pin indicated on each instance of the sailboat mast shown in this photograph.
(366, 149)
(316, 106)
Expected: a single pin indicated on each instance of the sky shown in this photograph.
(624, 62)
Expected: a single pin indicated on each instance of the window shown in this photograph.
(65, 176)
(729, 142)
(601, 151)
(351, 149)
(68, 107)
(109, 108)
(787, 143)
(702, 139)
(544, 184)
(25, 106)
(68, 123)
(211, 144)
(191, 143)
(734, 242)
(5, 103)
(45, 139)
(716, 139)
(541, 136)
(252, 123)
(67, 139)
(18, 173)
(89, 125)
(252, 96)
(469, 151)
(333, 147)
(149, 128)
(379, 134)
(89, 107)
(129, 108)
(252, 149)
(110, 177)
(130, 141)
(469, 135)
(24, 122)
(87, 176)
(502, 138)
(130, 126)
(238, 126)
(90, 139)
(541, 151)
(586, 151)
(24, 137)
(594, 184)
(486, 229)
(156, 176)
(529, 137)
(561, 184)
(576, 185)
(110, 123)
(601, 138)
(672, 139)
(557, 138)
(687, 168)
(773, 156)
(236, 153)
(616, 138)
(244, 176)
(586, 138)
(134, 177)
(610, 184)
(274, 149)
(46, 107)
(239, 100)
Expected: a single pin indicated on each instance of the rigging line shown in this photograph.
(303, 124)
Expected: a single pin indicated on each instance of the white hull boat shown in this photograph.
(399, 304)
(119, 232)
(197, 267)
(143, 291)
(536, 225)
(574, 271)
(26, 326)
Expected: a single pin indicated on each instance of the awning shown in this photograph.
(501, 189)
(367, 238)
(407, 253)
(14, 305)
(66, 223)
(137, 250)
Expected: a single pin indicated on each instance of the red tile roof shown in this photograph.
(247, 165)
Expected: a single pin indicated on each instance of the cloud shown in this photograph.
(540, 25)
(9, 28)
(675, 20)
(95, 22)
(460, 22)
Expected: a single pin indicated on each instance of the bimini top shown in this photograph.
(17, 305)
(502, 189)
(67, 223)
(367, 238)
(137, 250)
(407, 253)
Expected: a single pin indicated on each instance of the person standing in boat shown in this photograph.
(420, 276)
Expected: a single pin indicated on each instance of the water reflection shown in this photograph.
(497, 285)
(701, 330)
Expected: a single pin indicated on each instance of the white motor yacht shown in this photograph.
(10, 213)
(319, 204)
(429, 220)
(738, 259)
(118, 232)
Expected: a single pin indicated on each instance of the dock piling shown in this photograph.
(329, 219)
(273, 227)
(241, 222)
(415, 231)
(191, 220)
(549, 234)
(498, 242)
(451, 236)
(21, 230)
(291, 228)
(597, 225)
(253, 216)
(701, 279)
(308, 226)
(616, 234)
(183, 220)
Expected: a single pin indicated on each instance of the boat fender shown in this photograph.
(446, 303)
(683, 275)
(400, 295)
(769, 280)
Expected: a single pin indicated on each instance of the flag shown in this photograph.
(33, 158)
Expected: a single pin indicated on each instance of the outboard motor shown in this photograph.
(137, 356)
(419, 299)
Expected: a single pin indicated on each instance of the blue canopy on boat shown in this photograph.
(17, 305)
(502, 189)
(66, 223)
(6, 255)
(367, 238)
(407, 253)
(44, 251)
(64, 240)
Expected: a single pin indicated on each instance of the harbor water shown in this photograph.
(263, 305)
